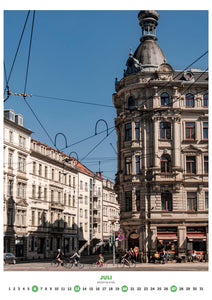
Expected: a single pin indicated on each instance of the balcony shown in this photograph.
(56, 205)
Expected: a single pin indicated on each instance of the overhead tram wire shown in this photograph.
(10, 73)
(26, 78)
(74, 101)
(97, 145)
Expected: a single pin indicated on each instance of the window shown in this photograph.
(165, 130)
(59, 176)
(206, 200)
(86, 213)
(52, 174)
(73, 181)
(205, 130)
(137, 129)
(73, 201)
(190, 130)
(137, 163)
(52, 195)
(131, 102)
(10, 160)
(189, 100)
(45, 194)
(205, 100)
(34, 168)
(192, 201)
(33, 217)
(69, 180)
(166, 201)
(22, 141)
(86, 199)
(40, 170)
(190, 164)
(164, 98)
(10, 187)
(128, 132)
(33, 191)
(128, 165)
(81, 212)
(128, 201)
(21, 163)
(137, 195)
(165, 163)
(64, 199)
(46, 171)
(59, 196)
(10, 136)
(206, 164)
(69, 200)
(86, 186)
(81, 184)
(21, 187)
(39, 192)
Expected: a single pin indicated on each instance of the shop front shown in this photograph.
(196, 240)
(167, 240)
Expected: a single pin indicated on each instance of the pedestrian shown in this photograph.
(163, 256)
(136, 250)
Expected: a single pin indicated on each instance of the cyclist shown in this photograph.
(126, 256)
(75, 257)
(59, 256)
(100, 260)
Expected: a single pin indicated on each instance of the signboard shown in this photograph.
(120, 237)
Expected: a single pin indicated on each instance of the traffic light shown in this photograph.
(111, 240)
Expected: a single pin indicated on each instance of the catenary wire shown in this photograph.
(10, 73)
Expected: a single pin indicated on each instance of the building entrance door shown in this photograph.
(133, 240)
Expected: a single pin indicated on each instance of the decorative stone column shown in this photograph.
(181, 240)
(176, 141)
(156, 141)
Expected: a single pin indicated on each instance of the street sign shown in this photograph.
(120, 237)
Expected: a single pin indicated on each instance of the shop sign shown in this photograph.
(134, 236)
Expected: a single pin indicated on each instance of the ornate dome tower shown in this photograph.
(148, 56)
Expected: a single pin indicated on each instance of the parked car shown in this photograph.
(9, 258)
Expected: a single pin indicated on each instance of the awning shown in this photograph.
(172, 237)
(196, 237)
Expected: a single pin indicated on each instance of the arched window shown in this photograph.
(131, 102)
(164, 98)
(205, 100)
(165, 163)
(166, 201)
(189, 100)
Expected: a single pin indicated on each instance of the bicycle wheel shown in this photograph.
(55, 263)
(81, 266)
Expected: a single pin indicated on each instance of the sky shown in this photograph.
(76, 56)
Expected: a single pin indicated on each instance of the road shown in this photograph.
(46, 266)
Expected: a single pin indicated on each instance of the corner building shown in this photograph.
(162, 130)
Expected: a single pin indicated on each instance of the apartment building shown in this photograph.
(51, 200)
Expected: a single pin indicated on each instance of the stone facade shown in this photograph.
(162, 130)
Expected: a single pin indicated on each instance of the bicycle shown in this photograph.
(72, 263)
(98, 264)
(130, 263)
(55, 263)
